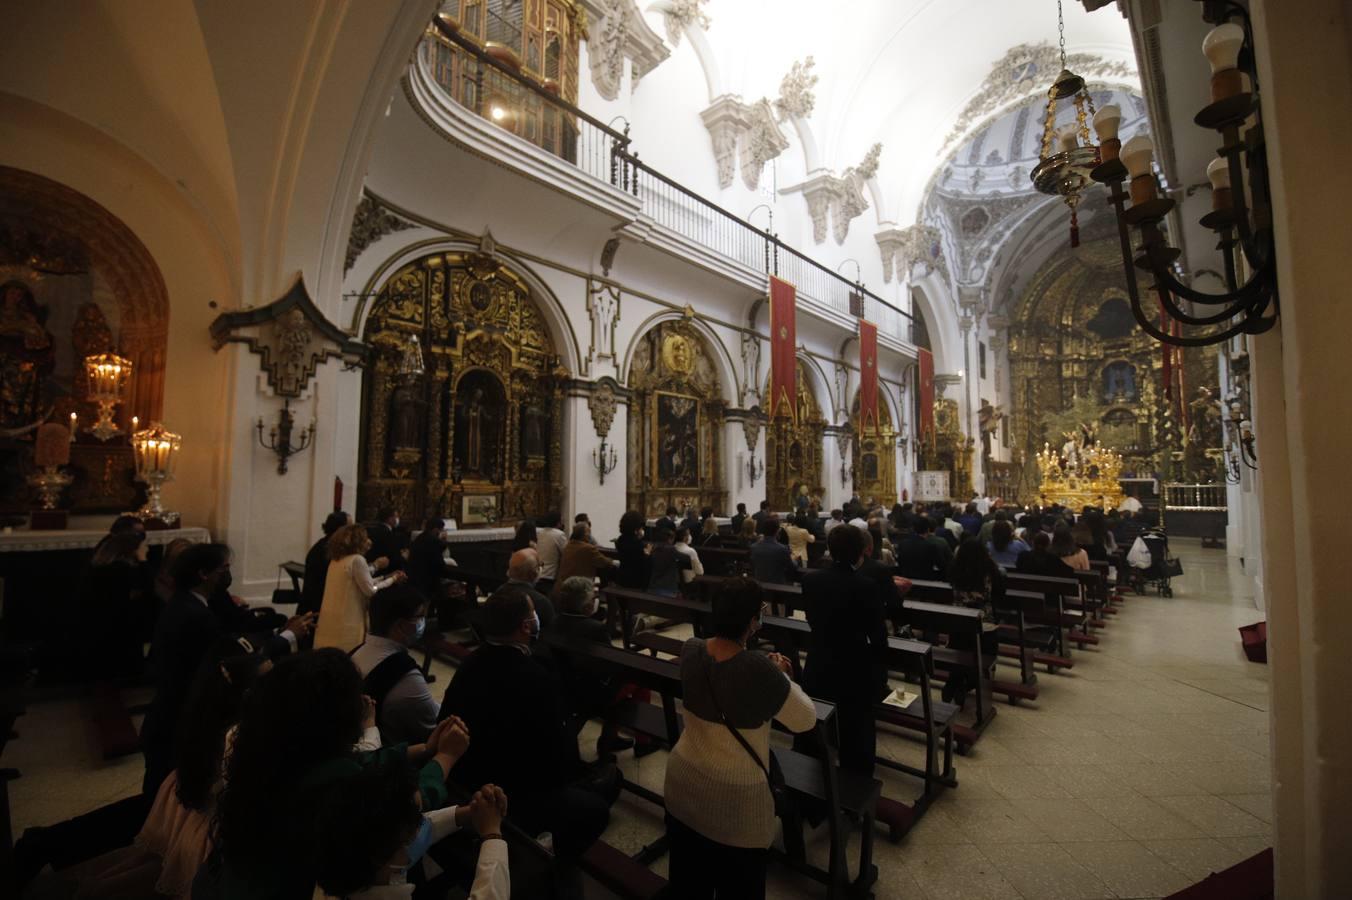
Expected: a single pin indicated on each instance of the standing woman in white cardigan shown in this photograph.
(348, 590)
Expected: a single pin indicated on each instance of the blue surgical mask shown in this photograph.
(419, 626)
(536, 617)
(417, 849)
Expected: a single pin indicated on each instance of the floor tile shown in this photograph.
(1046, 872)
(1215, 816)
(1129, 869)
(1142, 818)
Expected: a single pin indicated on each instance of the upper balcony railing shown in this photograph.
(492, 87)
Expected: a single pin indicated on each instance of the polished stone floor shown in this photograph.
(1134, 774)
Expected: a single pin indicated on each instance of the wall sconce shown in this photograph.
(605, 460)
(156, 451)
(107, 375)
(755, 468)
(279, 437)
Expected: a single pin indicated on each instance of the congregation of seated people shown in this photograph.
(289, 756)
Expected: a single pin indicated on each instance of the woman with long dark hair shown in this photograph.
(1003, 547)
(118, 606)
(1065, 549)
(295, 742)
(175, 839)
(526, 536)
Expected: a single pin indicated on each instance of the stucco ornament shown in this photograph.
(605, 47)
(761, 142)
(683, 14)
(370, 223)
(797, 91)
(602, 403)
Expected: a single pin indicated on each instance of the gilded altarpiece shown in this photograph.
(1077, 355)
(463, 403)
(794, 446)
(947, 449)
(676, 413)
(875, 455)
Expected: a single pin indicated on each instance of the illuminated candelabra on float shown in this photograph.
(1082, 473)
(107, 375)
(156, 450)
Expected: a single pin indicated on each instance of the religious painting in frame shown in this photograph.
(931, 486)
(479, 509)
(676, 440)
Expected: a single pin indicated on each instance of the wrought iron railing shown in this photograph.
(1191, 498)
(512, 100)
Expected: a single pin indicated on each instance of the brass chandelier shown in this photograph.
(1068, 157)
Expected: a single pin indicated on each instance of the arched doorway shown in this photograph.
(875, 464)
(675, 422)
(793, 446)
(462, 405)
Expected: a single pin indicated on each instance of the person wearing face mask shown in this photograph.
(514, 705)
(348, 590)
(405, 708)
(372, 834)
(187, 629)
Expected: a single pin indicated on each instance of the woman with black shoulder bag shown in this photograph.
(719, 786)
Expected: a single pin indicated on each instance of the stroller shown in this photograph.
(1162, 567)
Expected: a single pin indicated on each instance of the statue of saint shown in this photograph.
(533, 430)
(478, 433)
(404, 430)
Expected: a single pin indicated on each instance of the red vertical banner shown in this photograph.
(925, 392)
(868, 374)
(783, 337)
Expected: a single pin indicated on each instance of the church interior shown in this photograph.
(715, 280)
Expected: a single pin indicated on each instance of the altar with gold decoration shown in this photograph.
(1082, 473)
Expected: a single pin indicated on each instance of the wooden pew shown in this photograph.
(912, 659)
(941, 618)
(1064, 593)
(808, 778)
(1016, 608)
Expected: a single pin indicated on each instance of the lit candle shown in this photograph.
(73, 418)
(135, 422)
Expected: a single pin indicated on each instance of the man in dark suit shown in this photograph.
(882, 577)
(386, 540)
(514, 706)
(919, 557)
(200, 613)
(761, 514)
(847, 653)
(317, 564)
(737, 519)
(771, 561)
(523, 571)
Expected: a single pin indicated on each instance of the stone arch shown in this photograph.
(730, 386)
(32, 205)
(546, 301)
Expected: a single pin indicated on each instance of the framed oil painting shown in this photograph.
(676, 440)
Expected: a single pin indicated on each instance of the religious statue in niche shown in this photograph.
(405, 418)
(1119, 382)
(677, 440)
(533, 431)
(1205, 413)
(26, 355)
(479, 428)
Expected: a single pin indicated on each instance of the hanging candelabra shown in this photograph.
(107, 375)
(1068, 157)
(605, 460)
(1241, 214)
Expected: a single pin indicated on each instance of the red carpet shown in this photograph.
(1249, 880)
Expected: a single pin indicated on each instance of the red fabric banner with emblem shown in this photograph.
(783, 337)
(868, 374)
(926, 392)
